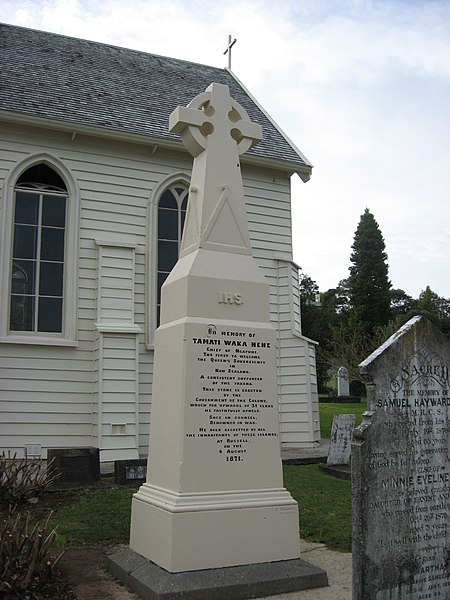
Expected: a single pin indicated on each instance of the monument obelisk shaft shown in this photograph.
(214, 495)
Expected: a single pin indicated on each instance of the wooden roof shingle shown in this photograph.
(54, 77)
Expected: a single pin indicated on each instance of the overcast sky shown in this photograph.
(362, 87)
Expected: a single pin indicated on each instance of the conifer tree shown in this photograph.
(369, 285)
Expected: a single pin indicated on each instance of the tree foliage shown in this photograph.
(401, 303)
(361, 312)
(349, 344)
(369, 285)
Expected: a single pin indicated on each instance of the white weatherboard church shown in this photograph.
(93, 196)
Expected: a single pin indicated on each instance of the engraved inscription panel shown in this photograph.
(403, 480)
(232, 404)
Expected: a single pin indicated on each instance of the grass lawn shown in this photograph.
(325, 505)
(94, 516)
(103, 516)
(327, 411)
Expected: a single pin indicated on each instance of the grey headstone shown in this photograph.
(341, 440)
(401, 471)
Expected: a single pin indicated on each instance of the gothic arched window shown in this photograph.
(38, 252)
(172, 207)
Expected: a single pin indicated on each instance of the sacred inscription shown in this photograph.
(231, 405)
(402, 482)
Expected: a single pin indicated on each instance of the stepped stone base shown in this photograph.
(151, 582)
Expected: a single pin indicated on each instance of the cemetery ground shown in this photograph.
(92, 523)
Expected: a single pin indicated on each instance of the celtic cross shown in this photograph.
(216, 130)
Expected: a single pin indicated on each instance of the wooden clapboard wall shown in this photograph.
(49, 394)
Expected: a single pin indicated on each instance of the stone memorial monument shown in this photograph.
(214, 494)
(401, 470)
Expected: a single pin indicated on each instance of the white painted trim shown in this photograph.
(303, 173)
(117, 328)
(136, 396)
(153, 143)
(118, 244)
(152, 252)
(70, 312)
(100, 393)
(192, 502)
(38, 341)
(281, 258)
(294, 332)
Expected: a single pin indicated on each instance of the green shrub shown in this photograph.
(25, 563)
(22, 480)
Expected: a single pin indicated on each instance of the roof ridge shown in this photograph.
(108, 45)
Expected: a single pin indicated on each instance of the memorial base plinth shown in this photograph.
(151, 582)
(206, 537)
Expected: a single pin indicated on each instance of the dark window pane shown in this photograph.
(27, 208)
(167, 255)
(42, 174)
(167, 224)
(23, 277)
(161, 279)
(25, 237)
(50, 315)
(51, 279)
(168, 200)
(52, 244)
(158, 315)
(21, 316)
(180, 191)
(184, 204)
(54, 211)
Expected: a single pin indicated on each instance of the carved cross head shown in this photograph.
(214, 119)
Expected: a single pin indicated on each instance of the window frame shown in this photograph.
(181, 180)
(68, 336)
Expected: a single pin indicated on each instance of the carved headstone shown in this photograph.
(343, 384)
(401, 470)
(341, 440)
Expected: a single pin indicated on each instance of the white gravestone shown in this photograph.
(401, 470)
(214, 494)
(341, 440)
(343, 382)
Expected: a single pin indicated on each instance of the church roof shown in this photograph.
(79, 82)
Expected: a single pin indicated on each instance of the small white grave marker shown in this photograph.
(343, 382)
